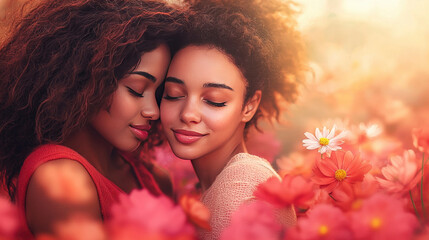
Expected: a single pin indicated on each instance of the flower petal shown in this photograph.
(318, 134)
(332, 133)
(311, 136)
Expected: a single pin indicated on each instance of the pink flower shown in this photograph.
(370, 130)
(325, 141)
(418, 194)
(324, 221)
(339, 171)
(383, 217)
(402, 174)
(292, 190)
(9, 219)
(141, 214)
(364, 132)
(296, 164)
(181, 171)
(252, 221)
(421, 139)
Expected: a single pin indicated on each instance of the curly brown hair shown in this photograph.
(262, 40)
(62, 62)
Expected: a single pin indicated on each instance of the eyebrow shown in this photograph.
(146, 75)
(174, 80)
(206, 85)
(217, 85)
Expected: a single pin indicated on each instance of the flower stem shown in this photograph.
(414, 205)
(330, 195)
(421, 190)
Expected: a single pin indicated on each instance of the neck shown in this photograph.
(93, 147)
(208, 167)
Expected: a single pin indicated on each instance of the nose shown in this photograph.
(150, 109)
(190, 112)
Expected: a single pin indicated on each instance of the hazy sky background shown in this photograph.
(370, 60)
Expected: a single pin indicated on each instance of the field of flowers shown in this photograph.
(352, 151)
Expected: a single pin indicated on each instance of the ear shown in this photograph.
(251, 106)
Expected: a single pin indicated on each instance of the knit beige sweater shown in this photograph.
(234, 186)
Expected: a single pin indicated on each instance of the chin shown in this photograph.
(187, 154)
(129, 147)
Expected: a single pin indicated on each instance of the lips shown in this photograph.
(187, 137)
(140, 131)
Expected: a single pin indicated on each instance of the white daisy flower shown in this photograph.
(325, 141)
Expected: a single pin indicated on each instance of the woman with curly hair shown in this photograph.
(236, 62)
(78, 82)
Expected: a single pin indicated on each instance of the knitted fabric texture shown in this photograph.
(233, 187)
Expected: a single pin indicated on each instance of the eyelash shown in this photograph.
(215, 104)
(135, 93)
(167, 97)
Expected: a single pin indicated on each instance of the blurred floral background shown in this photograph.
(370, 61)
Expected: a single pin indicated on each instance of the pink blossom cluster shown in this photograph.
(138, 215)
(357, 186)
(9, 220)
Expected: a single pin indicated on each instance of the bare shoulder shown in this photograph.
(57, 190)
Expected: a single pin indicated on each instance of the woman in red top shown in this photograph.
(78, 86)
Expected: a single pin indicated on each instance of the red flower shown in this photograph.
(339, 171)
(293, 190)
(197, 213)
(352, 200)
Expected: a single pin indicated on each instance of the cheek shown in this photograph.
(222, 119)
(169, 112)
(123, 106)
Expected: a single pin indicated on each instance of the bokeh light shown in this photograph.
(369, 60)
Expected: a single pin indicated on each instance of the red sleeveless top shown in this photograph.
(108, 192)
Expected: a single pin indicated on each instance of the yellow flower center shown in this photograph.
(340, 174)
(356, 204)
(376, 223)
(324, 141)
(323, 230)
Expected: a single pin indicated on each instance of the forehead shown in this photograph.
(205, 64)
(154, 63)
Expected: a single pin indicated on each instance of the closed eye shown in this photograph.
(140, 95)
(216, 104)
(167, 97)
